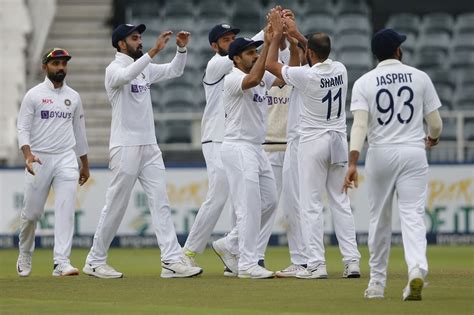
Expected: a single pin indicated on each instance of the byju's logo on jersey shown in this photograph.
(135, 88)
(258, 98)
(46, 114)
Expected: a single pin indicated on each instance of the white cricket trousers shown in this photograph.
(216, 197)
(276, 159)
(402, 171)
(61, 172)
(253, 195)
(318, 175)
(128, 164)
(290, 204)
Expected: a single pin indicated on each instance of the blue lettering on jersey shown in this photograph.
(274, 100)
(259, 99)
(326, 83)
(392, 78)
(46, 114)
(135, 88)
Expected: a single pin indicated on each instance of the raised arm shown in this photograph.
(117, 76)
(175, 68)
(272, 64)
(254, 77)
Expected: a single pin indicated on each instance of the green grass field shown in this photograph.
(450, 289)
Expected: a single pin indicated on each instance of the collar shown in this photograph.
(124, 58)
(238, 71)
(47, 82)
(325, 62)
(388, 62)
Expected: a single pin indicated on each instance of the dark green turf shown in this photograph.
(142, 291)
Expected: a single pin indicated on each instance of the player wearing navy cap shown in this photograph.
(134, 152)
(389, 104)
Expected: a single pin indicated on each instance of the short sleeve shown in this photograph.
(358, 99)
(431, 101)
(295, 76)
(233, 84)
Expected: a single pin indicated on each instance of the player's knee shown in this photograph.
(32, 214)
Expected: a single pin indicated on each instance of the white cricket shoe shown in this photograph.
(290, 271)
(65, 269)
(256, 272)
(416, 281)
(351, 270)
(229, 260)
(229, 273)
(102, 271)
(189, 258)
(375, 290)
(179, 270)
(23, 265)
(313, 272)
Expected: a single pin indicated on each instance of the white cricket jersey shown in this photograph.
(212, 124)
(52, 120)
(128, 83)
(277, 120)
(397, 98)
(245, 110)
(294, 115)
(323, 89)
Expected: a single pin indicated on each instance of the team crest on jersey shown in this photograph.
(67, 102)
(262, 84)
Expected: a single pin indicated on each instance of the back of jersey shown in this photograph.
(397, 98)
(323, 89)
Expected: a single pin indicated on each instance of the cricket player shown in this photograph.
(51, 135)
(389, 104)
(290, 201)
(134, 152)
(251, 180)
(322, 152)
(212, 133)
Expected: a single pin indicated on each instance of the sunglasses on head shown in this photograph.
(57, 52)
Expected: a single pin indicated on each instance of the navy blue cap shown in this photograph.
(219, 30)
(240, 44)
(123, 30)
(385, 42)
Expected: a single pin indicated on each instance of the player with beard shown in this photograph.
(134, 152)
(51, 133)
(212, 133)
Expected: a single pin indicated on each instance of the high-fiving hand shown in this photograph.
(182, 38)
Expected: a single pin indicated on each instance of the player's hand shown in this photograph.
(351, 179)
(275, 21)
(268, 34)
(182, 38)
(83, 175)
(290, 26)
(163, 40)
(30, 159)
(430, 142)
(288, 14)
